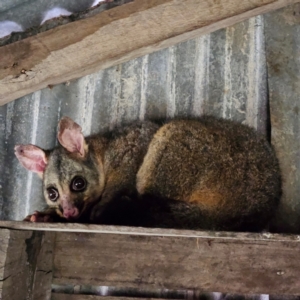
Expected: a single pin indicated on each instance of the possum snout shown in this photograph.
(69, 210)
(71, 213)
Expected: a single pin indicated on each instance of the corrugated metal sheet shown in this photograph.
(223, 74)
(283, 48)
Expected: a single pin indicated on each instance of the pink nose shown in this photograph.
(70, 212)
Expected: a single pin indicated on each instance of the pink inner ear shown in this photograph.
(70, 136)
(31, 157)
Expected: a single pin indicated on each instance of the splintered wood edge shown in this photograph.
(116, 36)
(89, 228)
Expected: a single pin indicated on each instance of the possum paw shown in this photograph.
(97, 214)
(38, 216)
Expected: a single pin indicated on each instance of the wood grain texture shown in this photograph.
(78, 297)
(23, 256)
(140, 231)
(41, 289)
(114, 36)
(208, 264)
(59, 296)
(4, 241)
(14, 265)
(148, 258)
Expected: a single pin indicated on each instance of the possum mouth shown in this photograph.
(84, 209)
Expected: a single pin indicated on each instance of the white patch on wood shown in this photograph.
(217, 296)
(96, 2)
(264, 297)
(55, 12)
(201, 85)
(7, 27)
(104, 291)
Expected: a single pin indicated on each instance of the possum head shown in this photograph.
(73, 177)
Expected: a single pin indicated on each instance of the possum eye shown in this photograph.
(52, 194)
(78, 184)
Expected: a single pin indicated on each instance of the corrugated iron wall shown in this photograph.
(283, 54)
(223, 74)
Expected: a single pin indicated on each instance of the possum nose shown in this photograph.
(70, 212)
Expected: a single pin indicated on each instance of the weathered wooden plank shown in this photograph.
(115, 36)
(14, 264)
(59, 296)
(207, 264)
(206, 297)
(282, 49)
(126, 293)
(79, 297)
(4, 240)
(139, 231)
(151, 258)
(43, 270)
(23, 256)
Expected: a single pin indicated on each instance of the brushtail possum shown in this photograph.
(203, 173)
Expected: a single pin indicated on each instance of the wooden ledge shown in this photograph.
(127, 257)
(114, 36)
(140, 231)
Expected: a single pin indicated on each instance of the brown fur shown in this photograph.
(207, 173)
(206, 198)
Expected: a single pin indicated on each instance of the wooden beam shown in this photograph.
(115, 36)
(82, 297)
(95, 255)
(41, 288)
(140, 231)
(208, 264)
(204, 296)
(25, 264)
(60, 296)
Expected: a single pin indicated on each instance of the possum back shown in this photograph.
(225, 169)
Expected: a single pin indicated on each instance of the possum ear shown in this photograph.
(32, 158)
(70, 136)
